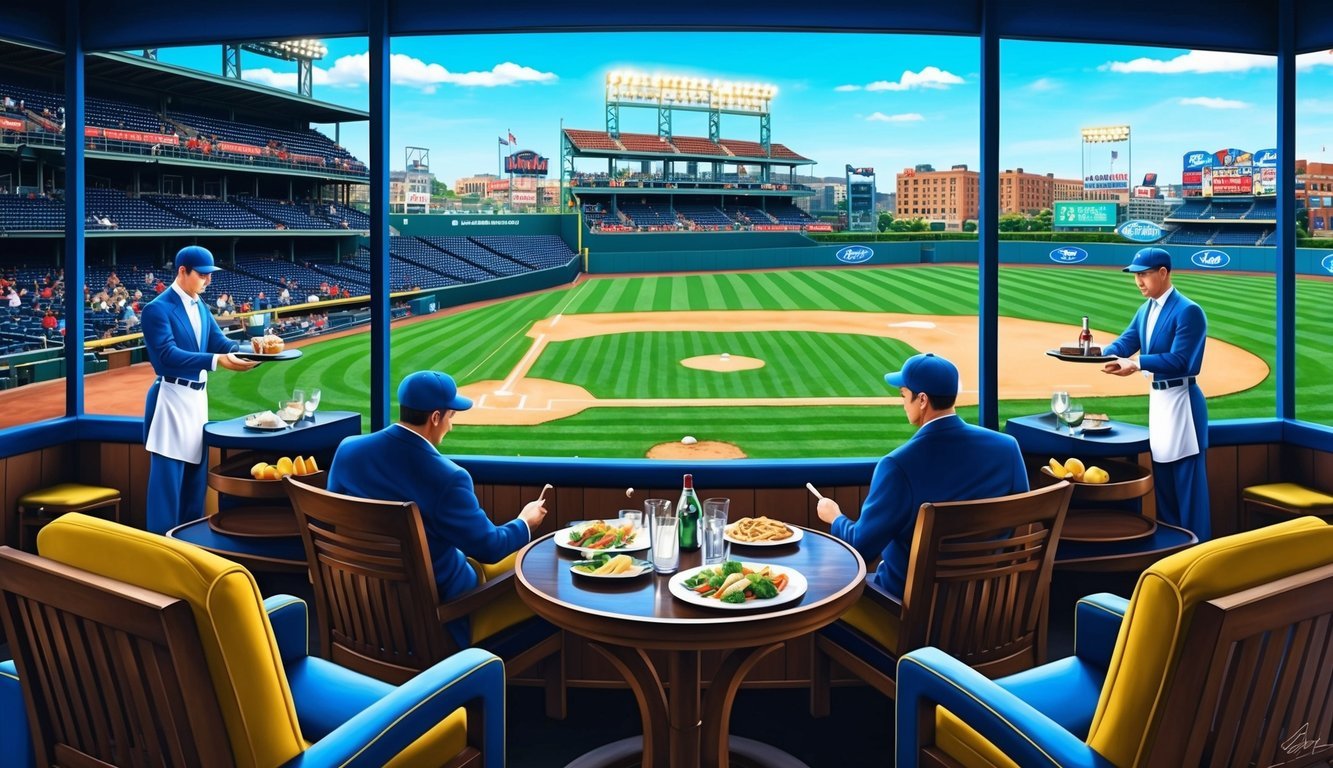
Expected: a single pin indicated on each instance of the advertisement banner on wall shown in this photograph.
(524, 197)
(1075, 214)
(1193, 164)
(1228, 181)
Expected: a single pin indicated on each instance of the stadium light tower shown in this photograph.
(303, 52)
(626, 88)
(1109, 134)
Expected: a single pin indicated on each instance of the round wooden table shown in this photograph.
(625, 618)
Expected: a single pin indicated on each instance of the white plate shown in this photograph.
(639, 543)
(639, 568)
(250, 423)
(1104, 426)
(797, 535)
(796, 586)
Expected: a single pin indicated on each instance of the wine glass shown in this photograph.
(1073, 416)
(1059, 404)
(311, 402)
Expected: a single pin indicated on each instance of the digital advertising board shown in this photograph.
(1072, 215)
(1229, 172)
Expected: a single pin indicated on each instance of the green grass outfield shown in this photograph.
(486, 343)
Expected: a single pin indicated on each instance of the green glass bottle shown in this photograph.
(688, 510)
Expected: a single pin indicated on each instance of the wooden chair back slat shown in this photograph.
(375, 593)
(979, 575)
(1256, 686)
(112, 674)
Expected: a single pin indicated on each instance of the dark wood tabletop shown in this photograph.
(642, 612)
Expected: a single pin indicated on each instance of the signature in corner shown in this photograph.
(1300, 743)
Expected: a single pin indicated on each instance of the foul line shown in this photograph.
(573, 295)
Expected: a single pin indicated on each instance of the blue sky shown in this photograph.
(888, 101)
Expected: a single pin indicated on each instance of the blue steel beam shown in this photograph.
(74, 208)
(1286, 211)
(988, 237)
(379, 213)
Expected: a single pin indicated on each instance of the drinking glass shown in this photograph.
(287, 413)
(1059, 404)
(666, 543)
(651, 509)
(632, 516)
(715, 545)
(1073, 416)
(311, 402)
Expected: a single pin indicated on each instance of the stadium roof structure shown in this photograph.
(641, 145)
(129, 72)
(1248, 26)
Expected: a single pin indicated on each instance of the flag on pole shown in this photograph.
(503, 143)
(1114, 155)
(512, 140)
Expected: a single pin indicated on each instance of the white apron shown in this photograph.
(177, 431)
(1171, 424)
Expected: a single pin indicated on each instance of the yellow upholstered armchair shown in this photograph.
(1221, 658)
(134, 649)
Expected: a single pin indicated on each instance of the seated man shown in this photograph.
(401, 463)
(946, 460)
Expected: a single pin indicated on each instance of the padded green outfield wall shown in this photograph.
(479, 225)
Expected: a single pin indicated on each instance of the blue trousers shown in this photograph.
(175, 492)
(1182, 494)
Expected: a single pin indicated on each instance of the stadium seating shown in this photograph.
(1265, 210)
(213, 213)
(646, 142)
(439, 260)
(292, 215)
(1191, 236)
(648, 215)
(1190, 209)
(748, 214)
(742, 148)
(593, 140)
(1239, 236)
(787, 213)
(705, 216)
(133, 213)
(535, 252)
(19, 213)
(695, 145)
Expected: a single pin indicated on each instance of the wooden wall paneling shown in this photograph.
(1222, 490)
(745, 502)
(113, 471)
(1275, 474)
(785, 504)
(23, 473)
(57, 465)
(849, 498)
(136, 512)
(1297, 465)
(1251, 469)
(1322, 471)
(9, 521)
(504, 503)
(599, 504)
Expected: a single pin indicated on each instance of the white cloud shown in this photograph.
(904, 117)
(353, 71)
(1196, 62)
(1043, 84)
(928, 77)
(1211, 102)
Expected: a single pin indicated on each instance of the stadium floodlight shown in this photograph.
(1105, 134)
(663, 90)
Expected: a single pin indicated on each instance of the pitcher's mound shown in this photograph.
(722, 364)
(705, 450)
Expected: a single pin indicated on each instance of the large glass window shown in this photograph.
(1180, 140)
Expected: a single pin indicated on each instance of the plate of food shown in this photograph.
(266, 421)
(738, 586)
(602, 536)
(609, 566)
(762, 532)
(268, 348)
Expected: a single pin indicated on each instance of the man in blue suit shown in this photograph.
(1169, 332)
(401, 463)
(946, 460)
(184, 343)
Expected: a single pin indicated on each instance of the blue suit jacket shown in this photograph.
(1175, 351)
(395, 464)
(172, 350)
(946, 460)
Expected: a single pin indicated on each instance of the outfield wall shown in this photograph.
(693, 252)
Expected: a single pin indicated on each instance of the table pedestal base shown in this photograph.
(744, 753)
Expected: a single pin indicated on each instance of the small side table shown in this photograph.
(37, 508)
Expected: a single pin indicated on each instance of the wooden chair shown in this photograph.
(1222, 658)
(378, 607)
(125, 654)
(138, 650)
(977, 585)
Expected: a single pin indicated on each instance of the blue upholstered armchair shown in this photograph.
(1214, 637)
(193, 667)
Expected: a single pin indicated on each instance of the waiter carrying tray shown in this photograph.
(184, 343)
(1169, 332)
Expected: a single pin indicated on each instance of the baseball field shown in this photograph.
(785, 364)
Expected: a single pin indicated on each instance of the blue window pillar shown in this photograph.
(988, 237)
(379, 214)
(74, 208)
(1285, 240)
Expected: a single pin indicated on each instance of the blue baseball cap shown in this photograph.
(431, 391)
(1148, 259)
(926, 373)
(196, 257)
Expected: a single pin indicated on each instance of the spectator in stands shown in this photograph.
(312, 298)
(148, 277)
(13, 298)
(49, 321)
(332, 291)
(262, 302)
(221, 303)
(401, 462)
(159, 286)
(343, 224)
(182, 353)
(284, 297)
(346, 294)
(127, 316)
